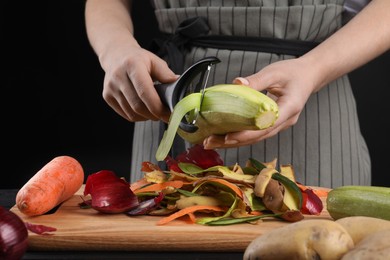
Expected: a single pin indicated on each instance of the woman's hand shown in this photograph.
(128, 83)
(129, 70)
(293, 81)
(289, 83)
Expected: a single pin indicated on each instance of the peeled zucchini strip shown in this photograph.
(187, 104)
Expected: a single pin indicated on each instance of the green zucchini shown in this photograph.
(225, 108)
(353, 200)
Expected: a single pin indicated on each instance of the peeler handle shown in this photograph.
(165, 92)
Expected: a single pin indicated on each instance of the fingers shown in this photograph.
(146, 101)
(244, 138)
(237, 139)
(161, 72)
(129, 88)
(142, 96)
(124, 110)
(285, 87)
(288, 116)
(112, 94)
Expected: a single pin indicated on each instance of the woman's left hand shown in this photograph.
(290, 83)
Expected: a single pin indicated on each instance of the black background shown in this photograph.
(52, 104)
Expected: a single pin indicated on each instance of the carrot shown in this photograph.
(188, 210)
(56, 182)
(160, 186)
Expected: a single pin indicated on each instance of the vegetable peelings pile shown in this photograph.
(199, 188)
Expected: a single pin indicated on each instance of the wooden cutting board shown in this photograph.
(89, 230)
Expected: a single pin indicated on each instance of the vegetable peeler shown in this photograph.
(171, 93)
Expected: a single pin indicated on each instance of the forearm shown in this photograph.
(362, 39)
(108, 22)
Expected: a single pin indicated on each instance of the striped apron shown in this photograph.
(325, 146)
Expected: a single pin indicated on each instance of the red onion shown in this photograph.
(109, 193)
(13, 235)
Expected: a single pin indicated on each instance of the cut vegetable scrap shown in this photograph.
(311, 203)
(40, 229)
(197, 155)
(236, 175)
(209, 193)
(189, 210)
(233, 187)
(138, 184)
(291, 190)
(146, 206)
(192, 217)
(185, 105)
(109, 193)
(149, 167)
(320, 192)
(160, 186)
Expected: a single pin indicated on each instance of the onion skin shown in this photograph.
(196, 155)
(13, 236)
(312, 204)
(146, 206)
(109, 193)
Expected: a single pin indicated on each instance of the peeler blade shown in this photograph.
(203, 81)
(172, 93)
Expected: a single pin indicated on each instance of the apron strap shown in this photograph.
(172, 47)
(256, 44)
(194, 32)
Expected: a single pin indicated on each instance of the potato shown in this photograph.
(375, 246)
(359, 227)
(306, 239)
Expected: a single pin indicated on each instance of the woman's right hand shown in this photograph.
(129, 69)
(128, 83)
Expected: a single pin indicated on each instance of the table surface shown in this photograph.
(7, 200)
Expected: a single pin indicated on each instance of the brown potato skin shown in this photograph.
(360, 227)
(375, 246)
(306, 239)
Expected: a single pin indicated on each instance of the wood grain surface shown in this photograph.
(88, 230)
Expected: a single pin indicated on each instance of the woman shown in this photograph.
(318, 128)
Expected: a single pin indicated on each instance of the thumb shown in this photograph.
(241, 81)
(161, 71)
(257, 81)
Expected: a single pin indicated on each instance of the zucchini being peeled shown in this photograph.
(225, 108)
(370, 201)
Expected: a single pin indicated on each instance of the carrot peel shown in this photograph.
(157, 187)
(225, 183)
(188, 211)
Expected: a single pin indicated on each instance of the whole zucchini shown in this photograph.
(225, 108)
(353, 200)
